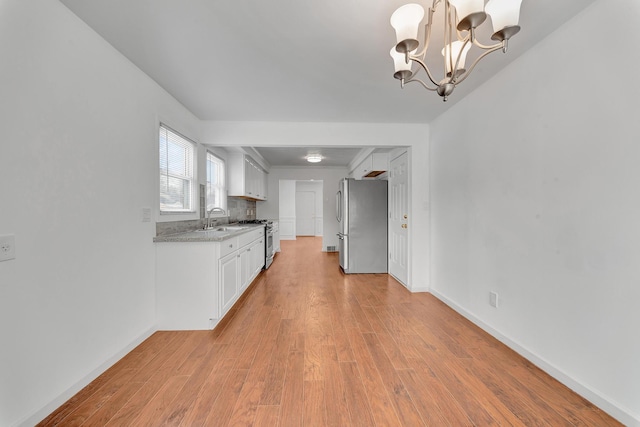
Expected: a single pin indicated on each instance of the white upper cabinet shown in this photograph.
(246, 177)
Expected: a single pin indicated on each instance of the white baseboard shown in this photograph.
(612, 408)
(42, 413)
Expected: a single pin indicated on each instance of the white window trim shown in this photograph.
(224, 187)
(192, 211)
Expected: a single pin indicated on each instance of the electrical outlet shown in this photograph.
(493, 299)
(7, 247)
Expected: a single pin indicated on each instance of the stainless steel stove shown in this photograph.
(269, 252)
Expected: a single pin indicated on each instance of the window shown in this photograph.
(177, 155)
(216, 189)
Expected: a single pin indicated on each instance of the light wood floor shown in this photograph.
(309, 346)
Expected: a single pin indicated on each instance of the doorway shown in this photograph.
(305, 213)
(309, 207)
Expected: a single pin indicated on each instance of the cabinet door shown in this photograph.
(258, 256)
(245, 268)
(228, 281)
(263, 185)
(248, 178)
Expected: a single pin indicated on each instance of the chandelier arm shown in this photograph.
(424, 67)
(466, 74)
(422, 83)
(427, 30)
(447, 38)
(466, 42)
(482, 46)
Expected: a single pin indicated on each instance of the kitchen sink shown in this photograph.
(226, 229)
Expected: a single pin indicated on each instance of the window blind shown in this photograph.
(177, 156)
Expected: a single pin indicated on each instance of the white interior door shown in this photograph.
(398, 219)
(305, 213)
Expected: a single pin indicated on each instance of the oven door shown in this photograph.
(268, 250)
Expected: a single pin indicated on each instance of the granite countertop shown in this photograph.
(215, 234)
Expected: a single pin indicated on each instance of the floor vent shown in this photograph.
(331, 249)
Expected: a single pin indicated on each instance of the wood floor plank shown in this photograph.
(291, 408)
(334, 390)
(356, 396)
(308, 345)
(267, 416)
(244, 413)
(274, 379)
(314, 406)
(424, 402)
(97, 400)
(437, 394)
(379, 400)
(388, 342)
(186, 398)
(222, 409)
(211, 389)
(405, 409)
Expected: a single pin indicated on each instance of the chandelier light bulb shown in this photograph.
(406, 21)
(505, 16)
(402, 67)
(455, 48)
(470, 13)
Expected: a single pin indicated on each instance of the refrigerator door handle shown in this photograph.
(339, 206)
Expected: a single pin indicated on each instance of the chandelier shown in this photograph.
(461, 19)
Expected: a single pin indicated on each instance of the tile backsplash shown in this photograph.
(238, 209)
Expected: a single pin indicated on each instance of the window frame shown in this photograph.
(190, 177)
(222, 187)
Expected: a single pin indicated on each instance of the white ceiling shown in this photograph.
(290, 61)
(296, 156)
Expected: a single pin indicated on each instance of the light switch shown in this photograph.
(146, 214)
(7, 247)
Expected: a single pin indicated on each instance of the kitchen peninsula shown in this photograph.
(200, 274)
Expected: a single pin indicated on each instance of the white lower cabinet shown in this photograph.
(244, 264)
(245, 268)
(228, 267)
(257, 255)
(198, 282)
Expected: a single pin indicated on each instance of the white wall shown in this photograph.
(536, 197)
(78, 162)
(286, 208)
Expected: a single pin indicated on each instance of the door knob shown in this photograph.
(404, 225)
(405, 216)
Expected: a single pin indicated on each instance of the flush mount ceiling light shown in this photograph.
(314, 158)
(461, 18)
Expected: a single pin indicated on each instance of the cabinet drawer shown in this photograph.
(246, 238)
(228, 246)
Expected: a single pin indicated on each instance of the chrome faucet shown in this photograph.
(214, 209)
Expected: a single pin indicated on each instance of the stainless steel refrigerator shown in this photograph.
(361, 211)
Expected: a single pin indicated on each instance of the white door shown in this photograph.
(398, 218)
(305, 213)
